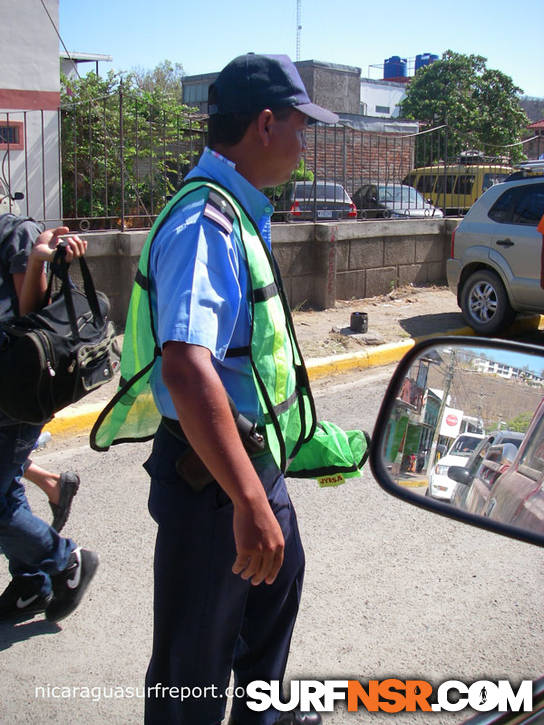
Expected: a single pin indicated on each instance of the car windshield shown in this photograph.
(492, 179)
(464, 445)
(401, 194)
(322, 190)
(515, 441)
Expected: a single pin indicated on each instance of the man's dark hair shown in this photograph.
(230, 128)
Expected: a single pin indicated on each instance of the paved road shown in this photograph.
(390, 590)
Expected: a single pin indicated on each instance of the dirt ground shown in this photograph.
(403, 313)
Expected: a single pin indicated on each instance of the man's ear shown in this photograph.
(265, 120)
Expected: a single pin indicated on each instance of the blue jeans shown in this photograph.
(31, 546)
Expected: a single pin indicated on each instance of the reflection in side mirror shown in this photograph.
(461, 431)
(460, 475)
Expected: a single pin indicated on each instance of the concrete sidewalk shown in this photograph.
(428, 311)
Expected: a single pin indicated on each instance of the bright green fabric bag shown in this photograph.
(331, 455)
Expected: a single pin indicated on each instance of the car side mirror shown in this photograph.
(438, 388)
(460, 475)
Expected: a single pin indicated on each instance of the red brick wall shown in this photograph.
(354, 157)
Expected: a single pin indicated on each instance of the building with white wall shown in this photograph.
(504, 370)
(29, 103)
(381, 98)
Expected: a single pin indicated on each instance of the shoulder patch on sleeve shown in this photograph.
(219, 210)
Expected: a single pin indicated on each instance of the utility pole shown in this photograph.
(299, 27)
(448, 379)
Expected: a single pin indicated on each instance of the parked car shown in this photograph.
(495, 267)
(518, 495)
(319, 200)
(487, 458)
(456, 187)
(441, 486)
(498, 460)
(395, 201)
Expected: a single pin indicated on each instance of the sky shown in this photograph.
(204, 36)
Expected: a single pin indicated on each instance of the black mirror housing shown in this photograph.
(460, 475)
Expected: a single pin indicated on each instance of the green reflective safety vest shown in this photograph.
(278, 369)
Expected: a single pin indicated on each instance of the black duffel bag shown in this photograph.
(57, 355)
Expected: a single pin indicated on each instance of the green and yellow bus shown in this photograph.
(455, 188)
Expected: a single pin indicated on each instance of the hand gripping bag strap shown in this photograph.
(57, 354)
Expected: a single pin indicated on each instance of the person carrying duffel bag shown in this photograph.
(49, 573)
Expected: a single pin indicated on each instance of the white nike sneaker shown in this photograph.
(70, 584)
(22, 600)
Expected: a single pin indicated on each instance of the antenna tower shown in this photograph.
(299, 27)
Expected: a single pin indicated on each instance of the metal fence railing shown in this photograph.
(114, 162)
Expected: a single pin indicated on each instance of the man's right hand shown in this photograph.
(259, 543)
(206, 418)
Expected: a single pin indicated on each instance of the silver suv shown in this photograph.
(497, 257)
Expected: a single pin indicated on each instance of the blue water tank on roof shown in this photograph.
(394, 67)
(425, 59)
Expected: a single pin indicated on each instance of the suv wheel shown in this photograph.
(485, 304)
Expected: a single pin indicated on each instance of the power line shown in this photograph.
(60, 38)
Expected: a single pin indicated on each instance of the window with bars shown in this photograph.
(11, 135)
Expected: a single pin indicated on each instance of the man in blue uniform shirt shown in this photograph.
(228, 559)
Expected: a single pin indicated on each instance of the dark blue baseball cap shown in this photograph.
(252, 82)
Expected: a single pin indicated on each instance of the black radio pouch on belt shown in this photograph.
(190, 467)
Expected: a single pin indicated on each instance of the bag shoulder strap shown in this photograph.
(59, 268)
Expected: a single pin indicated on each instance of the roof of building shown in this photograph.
(379, 124)
(383, 82)
(537, 124)
(76, 57)
(330, 66)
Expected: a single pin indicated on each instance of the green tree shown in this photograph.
(480, 107)
(127, 141)
(520, 423)
(167, 78)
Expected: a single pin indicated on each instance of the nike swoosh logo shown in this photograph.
(73, 582)
(22, 603)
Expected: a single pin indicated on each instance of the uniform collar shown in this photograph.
(216, 166)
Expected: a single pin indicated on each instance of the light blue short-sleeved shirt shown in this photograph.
(199, 283)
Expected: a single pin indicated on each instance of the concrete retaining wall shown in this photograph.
(320, 263)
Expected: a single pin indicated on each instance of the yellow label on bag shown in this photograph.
(337, 479)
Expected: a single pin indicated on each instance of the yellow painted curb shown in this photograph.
(74, 420)
(381, 355)
(413, 484)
